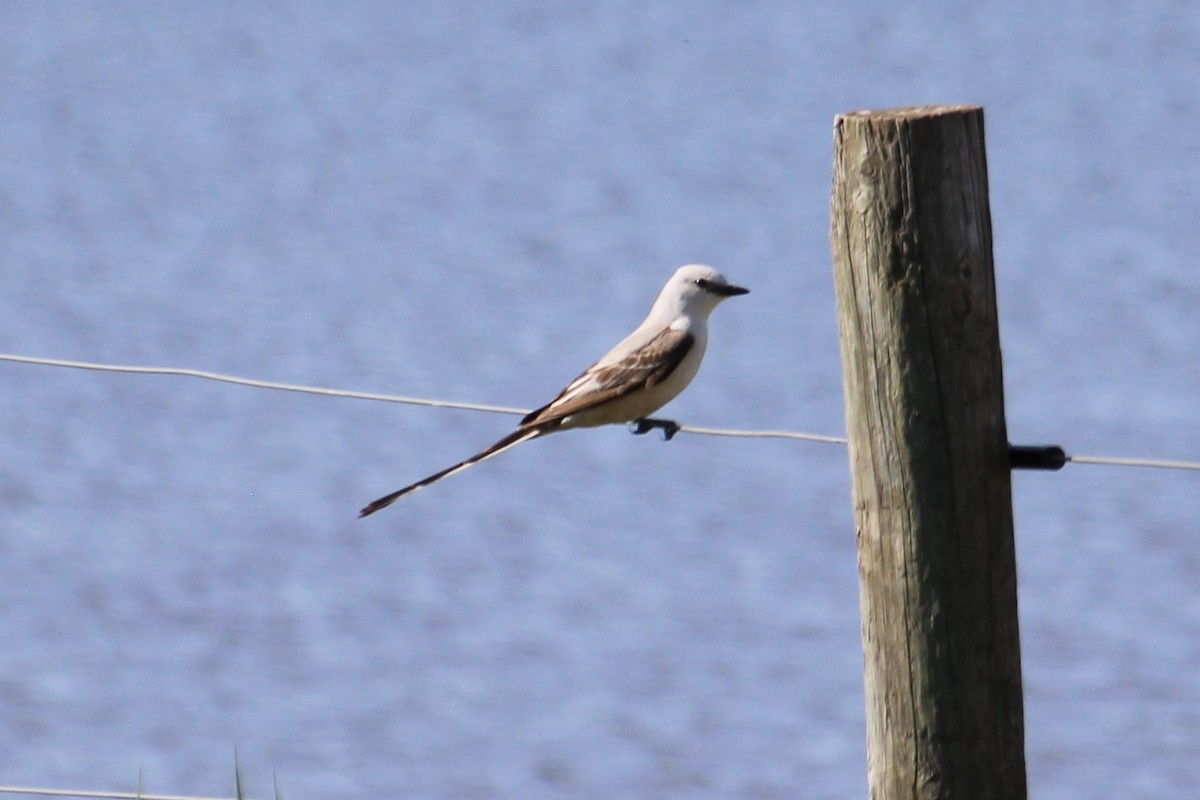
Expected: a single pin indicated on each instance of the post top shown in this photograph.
(911, 112)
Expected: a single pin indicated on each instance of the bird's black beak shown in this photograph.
(728, 290)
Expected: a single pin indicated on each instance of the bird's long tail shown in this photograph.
(512, 440)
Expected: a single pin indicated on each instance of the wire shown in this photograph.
(1136, 462)
(257, 384)
(31, 790)
(387, 398)
(1192, 466)
(808, 437)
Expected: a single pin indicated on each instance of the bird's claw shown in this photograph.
(669, 427)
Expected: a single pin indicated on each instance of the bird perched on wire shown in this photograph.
(645, 371)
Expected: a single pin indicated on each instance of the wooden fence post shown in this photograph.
(912, 250)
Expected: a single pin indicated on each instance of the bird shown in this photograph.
(642, 373)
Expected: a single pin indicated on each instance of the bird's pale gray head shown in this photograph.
(699, 288)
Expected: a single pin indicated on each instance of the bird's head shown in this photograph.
(695, 290)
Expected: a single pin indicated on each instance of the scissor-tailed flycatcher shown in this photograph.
(643, 373)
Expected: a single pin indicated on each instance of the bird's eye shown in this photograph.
(703, 283)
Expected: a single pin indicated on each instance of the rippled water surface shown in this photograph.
(471, 202)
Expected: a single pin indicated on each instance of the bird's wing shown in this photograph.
(645, 367)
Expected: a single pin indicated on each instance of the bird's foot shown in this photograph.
(669, 427)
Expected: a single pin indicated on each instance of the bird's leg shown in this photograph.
(669, 427)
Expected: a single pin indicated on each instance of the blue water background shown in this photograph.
(472, 201)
